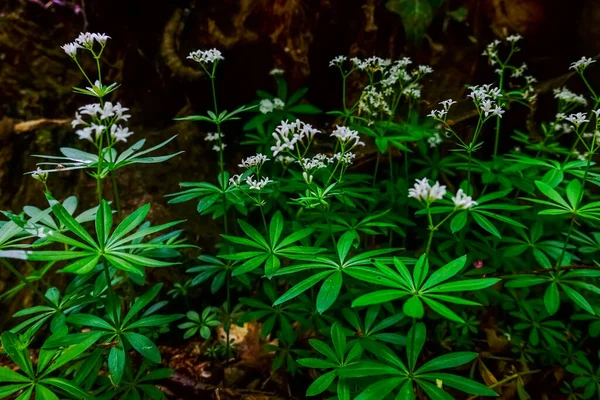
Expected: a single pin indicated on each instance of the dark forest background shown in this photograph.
(146, 55)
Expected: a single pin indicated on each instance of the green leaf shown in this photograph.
(17, 352)
(275, 228)
(460, 383)
(304, 109)
(104, 222)
(442, 310)
(6, 391)
(339, 340)
(380, 389)
(129, 223)
(445, 273)
(413, 307)
(43, 393)
(8, 375)
(66, 386)
(574, 193)
(301, 287)
(253, 233)
(551, 194)
(577, 298)
(90, 320)
(416, 16)
(421, 270)
(329, 291)
(414, 343)
(344, 244)
(552, 298)
(382, 296)
(486, 224)
(144, 346)
(459, 221)
(142, 302)
(68, 221)
(447, 361)
(116, 363)
(321, 384)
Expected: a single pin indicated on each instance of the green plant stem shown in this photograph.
(431, 231)
(23, 279)
(497, 139)
(564, 249)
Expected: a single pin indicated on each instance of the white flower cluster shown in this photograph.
(317, 162)
(266, 106)
(254, 161)
(423, 191)
(559, 126)
(396, 72)
(337, 61)
(577, 119)
(276, 71)
(582, 64)
(103, 118)
(218, 148)
(484, 97)
(85, 40)
(581, 157)
(372, 102)
(442, 114)
(214, 136)
(40, 175)
(253, 183)
(412, 92)
(491, 51)
(374, 62)
(514, 38)
(518, 72)
(206, 56)
(285, 160)
(564, 94)
(288, 134)
(346, 136)
(435, 140)
(461, 200)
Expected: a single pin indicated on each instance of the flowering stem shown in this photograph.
(431, 230)
(83, 72)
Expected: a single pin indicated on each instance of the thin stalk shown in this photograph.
(564, 249)
(508, 379)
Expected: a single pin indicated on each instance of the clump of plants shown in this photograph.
(438, 265)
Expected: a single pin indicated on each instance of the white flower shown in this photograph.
(254, 161)
(77, 121)
(71, 49)
(447, 104)
(517, 149)
(101, 37)
(288, 134)
(577, 119)
(85, 39)
(530, 79)
(119, 133)
(596, 112)
(518, 72)
(256, 184)
(461, 200)
(360, 64)
(206, 56)
(346, 135)
(339, 60)
(266, 106)
(514, 38)
(235, 180)
(219, 149)
(311, 164)
(120, 112)
(90, 109)
(276, 71)
(373, 102)
(412, 92)
(108, 111)
(423, 191)
(211, 137)
(435, 140)
(98, 129)
(567, 96)
(85, 133)
(307, 178)
(497, 111)
(284, 159)
(438, 114)
(424, 69)
(40, 175)
(582, 64)
(278, 103)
